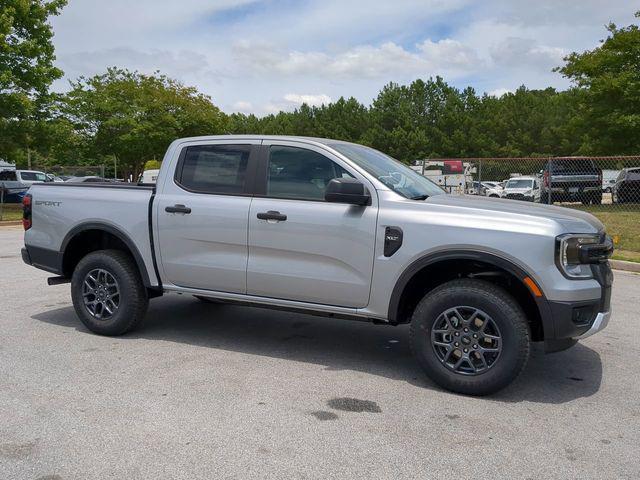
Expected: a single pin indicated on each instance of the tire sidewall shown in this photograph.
(120, 321)
(509, 320)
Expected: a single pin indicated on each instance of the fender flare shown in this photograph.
(517, 271)
(116, 232)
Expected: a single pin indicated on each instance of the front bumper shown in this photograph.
(600, 323)
(567, 322)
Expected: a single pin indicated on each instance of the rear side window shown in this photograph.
(573, 166)
(33, 176)
(8, 176)
(214, 168)
(300, 173)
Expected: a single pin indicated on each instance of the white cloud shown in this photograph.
(313, 100)
(498, 92)
(250, 54)
(430, 58)
(516, 51)
(243, 107)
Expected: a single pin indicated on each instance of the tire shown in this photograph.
(130, 302)
(206, 299)
(506, 318)
(597, 199)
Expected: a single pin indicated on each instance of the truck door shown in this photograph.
(300, 246)
(202, 214)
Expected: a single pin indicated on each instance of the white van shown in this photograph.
(149, 176)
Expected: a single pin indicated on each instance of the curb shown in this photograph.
(624, 265)
(10, 223)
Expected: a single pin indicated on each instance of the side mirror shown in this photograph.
(347, 190)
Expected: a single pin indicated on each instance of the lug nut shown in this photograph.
(456, 344)
(475, 345)
(457, 334)
(475, 335)
(466, 329)
(466, 350)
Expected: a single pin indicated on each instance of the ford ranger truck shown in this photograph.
(335, 229)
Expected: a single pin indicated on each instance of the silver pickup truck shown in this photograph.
(335, 229)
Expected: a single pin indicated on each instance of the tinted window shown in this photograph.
(573, 165)
(8, 175)
(33, 176)
(215, 168)
(300, 173)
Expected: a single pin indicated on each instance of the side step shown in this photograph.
(58, 280)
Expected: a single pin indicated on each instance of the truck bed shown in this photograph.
(61, 210)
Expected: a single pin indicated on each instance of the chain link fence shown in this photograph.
(607, 187)
(65, 172)
(568, 181)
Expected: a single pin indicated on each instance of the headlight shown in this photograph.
(568, 258)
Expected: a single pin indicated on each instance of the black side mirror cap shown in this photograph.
(347, 190)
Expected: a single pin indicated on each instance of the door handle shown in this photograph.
(272, 215)
(178, 209)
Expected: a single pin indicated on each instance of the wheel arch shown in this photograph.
(98, 236)
(450, 264)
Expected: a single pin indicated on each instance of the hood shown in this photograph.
(574, 221)
(518, 190)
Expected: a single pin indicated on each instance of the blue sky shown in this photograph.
(262, 56)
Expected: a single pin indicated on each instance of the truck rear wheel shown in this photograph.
(470, 337)
(107, 292)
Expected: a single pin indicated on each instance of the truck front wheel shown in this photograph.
(470, 336)
(108, 293)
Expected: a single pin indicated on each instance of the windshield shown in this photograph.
(519, 183)
(395, 175)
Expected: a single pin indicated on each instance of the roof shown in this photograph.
(290, 138)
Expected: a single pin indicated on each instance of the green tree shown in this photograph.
(609, 75)
(26, 68)
(135, 117)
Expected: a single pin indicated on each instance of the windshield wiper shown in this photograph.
(419, 197)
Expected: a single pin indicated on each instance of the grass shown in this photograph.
(622, 222)
(11, 211)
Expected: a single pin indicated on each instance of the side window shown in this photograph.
(300, 173)
(8, 175)
(214, 168)
(29, 176)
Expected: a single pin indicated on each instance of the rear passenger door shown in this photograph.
(202, 216)
(316, 252)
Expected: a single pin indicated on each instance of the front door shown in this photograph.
(301, 247)
(202, 217)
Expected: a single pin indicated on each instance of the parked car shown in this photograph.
(609, 180)
(149, 176)
(335, 229)
(627, 186)
(571, 179)
(12, 191)
(89, 179)
(522, 188)
(493, 189)
(479, 188)
(26, 177)
(54, 178)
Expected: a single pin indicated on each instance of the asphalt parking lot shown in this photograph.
(212, 391)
